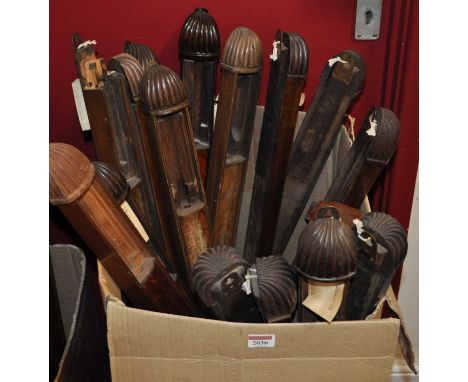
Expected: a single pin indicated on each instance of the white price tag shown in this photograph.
(261, 341)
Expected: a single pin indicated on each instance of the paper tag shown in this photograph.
(371, 131)
(134, 219)
(261, 341)
(274, 54)
(332, 61)
(302, 99)
(324, 299)
(86, 43)
(80, 105)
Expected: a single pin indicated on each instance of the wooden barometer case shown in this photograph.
(176, 176)
(241, 66)
(93, 211)
(198, 55)
(287, 79)
(341, 81)
(372, 150)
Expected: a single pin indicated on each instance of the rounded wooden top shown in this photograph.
(389, 233)
(114, 181)
(142, 53)
(386, 134)
(298, 55)
(327, 251)
(70, 173)
(199, 37)
(243, 51)
(210, 265)
(162, 91)
(130, 67)
(277, 287)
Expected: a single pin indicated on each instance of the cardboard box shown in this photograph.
(148, 346)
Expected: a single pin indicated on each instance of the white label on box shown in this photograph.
(80, 105)
(261, 341)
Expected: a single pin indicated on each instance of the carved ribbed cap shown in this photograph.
(70, 173)
(162, 91)
(243, 51)
(113, 180)
(277, 287)
(199, 37)
(387, 134)
(210, 265)
(326, 251)
(142, 53)
(132, 70)
(298, 56)
(389, 233)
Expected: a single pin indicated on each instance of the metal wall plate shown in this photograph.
(368, 14)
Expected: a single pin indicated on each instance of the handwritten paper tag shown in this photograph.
(324, 299)
(134, 219)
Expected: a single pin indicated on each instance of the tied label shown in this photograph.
(80, 105)
(134, 219)
(324, 299)
(261, 341)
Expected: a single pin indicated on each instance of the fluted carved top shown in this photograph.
(199, 37)
(113, 179)
(209, 267)
(385, 126)
(277, 287)
(389, 233)
(327, 251)
(243, 51)
(130, 67)
(70, 173)
(298, 56)
(162, 91)
(142, 53)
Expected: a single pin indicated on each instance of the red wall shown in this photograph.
(326, 25)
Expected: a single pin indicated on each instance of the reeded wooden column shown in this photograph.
(341, 81)
(287, 78)
(198, 54)
(176, 176)
(240, 84)
(93, 212)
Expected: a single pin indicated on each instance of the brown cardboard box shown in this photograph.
(148, 346)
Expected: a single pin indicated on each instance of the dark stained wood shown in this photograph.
(175, 176)
(341, 81)
(347, 213)
(376, 266)
(369, 154)
(132, 70)
(217, 278)
(94, 213)
(240, 84)
(199, 46)
(286, 82)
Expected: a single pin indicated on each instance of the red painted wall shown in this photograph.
(326, 25)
